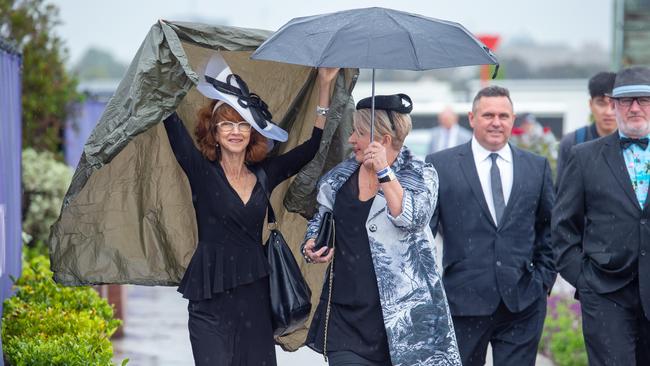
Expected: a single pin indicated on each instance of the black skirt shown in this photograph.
(233, 328)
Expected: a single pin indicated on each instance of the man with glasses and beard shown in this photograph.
(601, 229)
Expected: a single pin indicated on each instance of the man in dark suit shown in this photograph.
(601, 229)
(494, 208)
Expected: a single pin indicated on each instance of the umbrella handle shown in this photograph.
(372, 109)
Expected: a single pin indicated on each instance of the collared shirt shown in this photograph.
(448, 137)
(483, 164)
(637, 162)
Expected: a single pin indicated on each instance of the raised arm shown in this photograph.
(181, 143)
(417, 205)
(286, 165)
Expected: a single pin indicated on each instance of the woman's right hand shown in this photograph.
(317, 256)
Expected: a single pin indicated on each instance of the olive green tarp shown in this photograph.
(128, 217)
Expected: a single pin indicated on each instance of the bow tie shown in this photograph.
(627, 142)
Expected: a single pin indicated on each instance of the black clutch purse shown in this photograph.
(326, 233)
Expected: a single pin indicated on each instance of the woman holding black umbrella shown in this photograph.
(226, 281)
(387, 304)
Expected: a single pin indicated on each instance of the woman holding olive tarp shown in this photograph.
(226, 281)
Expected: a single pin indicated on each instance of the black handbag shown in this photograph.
(326, 233)
(290, 294)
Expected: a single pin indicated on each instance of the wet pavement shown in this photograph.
(155, 332)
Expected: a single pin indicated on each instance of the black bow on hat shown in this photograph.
(258, 108)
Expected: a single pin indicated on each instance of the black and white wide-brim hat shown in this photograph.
(218, 82)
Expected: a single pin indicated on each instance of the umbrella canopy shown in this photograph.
(374, 38)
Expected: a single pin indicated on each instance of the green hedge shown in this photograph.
(49, 324)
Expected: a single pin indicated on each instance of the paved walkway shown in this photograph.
(155, 332)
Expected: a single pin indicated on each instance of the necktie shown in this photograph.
(627, 142)
(497, 188)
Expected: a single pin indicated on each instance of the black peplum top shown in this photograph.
(230, 251)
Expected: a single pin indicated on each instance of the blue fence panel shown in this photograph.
(10, 172)
(79, 126)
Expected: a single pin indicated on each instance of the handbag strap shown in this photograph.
(264, 182)
(329, 295)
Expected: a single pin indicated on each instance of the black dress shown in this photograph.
(356, 322)
(227, 278)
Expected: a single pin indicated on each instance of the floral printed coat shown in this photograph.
(414, 305)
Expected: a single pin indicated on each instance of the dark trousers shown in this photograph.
(616, 331)
(514, 336)
(349, 358)
(233, 328)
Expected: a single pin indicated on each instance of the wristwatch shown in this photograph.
(388, 177)
(322, 110)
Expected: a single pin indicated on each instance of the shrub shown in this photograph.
(532, 136)
(562, 339)
(45, 181)
(47, 88)
(49, 324)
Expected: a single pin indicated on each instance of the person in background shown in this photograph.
(448, 133)
(601, 229)
(494, 211)
(602, 112)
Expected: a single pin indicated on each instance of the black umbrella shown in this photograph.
(375, 38)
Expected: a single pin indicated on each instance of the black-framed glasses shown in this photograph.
(228, 126)
(627, 101)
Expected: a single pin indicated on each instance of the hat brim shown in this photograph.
(217, 68)
(272, 131)
(630, 91)
(629, 95)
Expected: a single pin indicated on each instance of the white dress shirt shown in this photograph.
(484, 163)
(448, 137)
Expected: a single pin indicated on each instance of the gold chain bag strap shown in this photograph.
(329, 305)
(329, 295)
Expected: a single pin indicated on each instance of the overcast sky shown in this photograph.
(119, 26)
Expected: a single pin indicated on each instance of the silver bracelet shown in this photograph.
(303, 251)
(322, 110)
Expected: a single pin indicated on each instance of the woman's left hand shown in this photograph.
(326, 75)
(374, 157)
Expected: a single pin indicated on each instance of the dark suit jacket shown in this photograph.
(599, 230)
(569, 141)
(484, 264)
